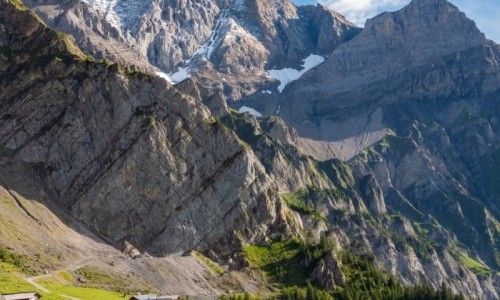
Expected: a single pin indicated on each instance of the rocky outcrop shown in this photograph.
(92, 31)
(328, 272)
(125, 153)
(289, 168)
(373, 195)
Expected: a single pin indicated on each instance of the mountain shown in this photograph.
(412, 100)
(395, 51)
(378, 177)
(119, 149)
(226, 45)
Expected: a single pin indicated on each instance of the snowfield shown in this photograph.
(288, 75)
(253, 112)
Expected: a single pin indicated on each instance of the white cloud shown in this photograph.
(358, 11)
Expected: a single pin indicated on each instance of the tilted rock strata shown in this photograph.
(126, 154)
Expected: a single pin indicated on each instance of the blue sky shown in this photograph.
(486, 13)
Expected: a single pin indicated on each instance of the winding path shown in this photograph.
(76, 265)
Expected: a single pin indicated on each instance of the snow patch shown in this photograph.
(174, 78)
(181, 75)
(164, 76)
(288, 75)
(253, 112)
(208, 47)
(121, 14)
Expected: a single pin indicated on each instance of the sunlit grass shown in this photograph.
(11, 280)
(82, 293)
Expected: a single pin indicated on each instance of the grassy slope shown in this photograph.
(12, 281)
(474, 265)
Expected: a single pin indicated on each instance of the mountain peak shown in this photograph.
(425, 26)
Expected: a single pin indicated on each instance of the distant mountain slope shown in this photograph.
(429, 49)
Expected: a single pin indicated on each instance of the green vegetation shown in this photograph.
(209, 263)
(150, 117)
(299, 202)
(340, 174)
(13, 271)
(18, 261)
(94, 275)
(294, 293)
(304, 200)
(280, 261)
(105, 280)
(11, 280)
(420, 242)
(82, 293)
(307, 293)
(474, 265)
(288, 265)
(216, 122)
(234, 112)
(240, 296)
(365, 281)
(283, 262)
(395, 144)
(133, 72)
(90, 59)
(67, 276)
(61, 35)
(18, 4)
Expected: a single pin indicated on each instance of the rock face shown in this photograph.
(124, 153)
(328, 272)
(226, 45)
(427, 79)
(401, 52)
(411, 102)
(91, 30)
(374, 195)
(365, 215)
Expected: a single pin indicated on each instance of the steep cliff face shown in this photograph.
(227, 45)
(420, 84)
(371, 206)
(124, 152)
(427, 80)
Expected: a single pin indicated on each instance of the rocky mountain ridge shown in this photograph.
(149, 169)
(91, 132)
(412, 100)
(217, 42)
